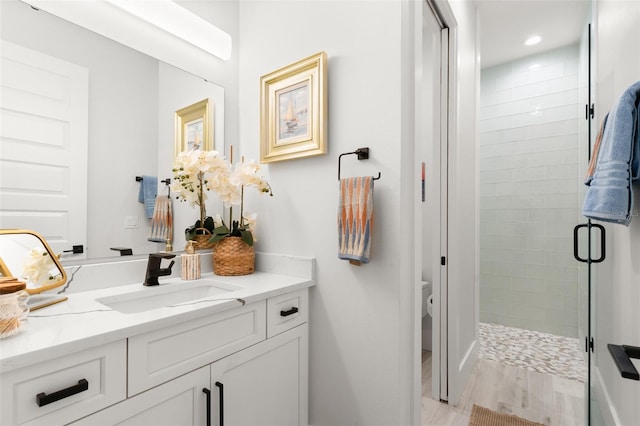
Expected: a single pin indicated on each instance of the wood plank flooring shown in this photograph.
(551, 400)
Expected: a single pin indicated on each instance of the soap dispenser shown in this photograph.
(190, 263)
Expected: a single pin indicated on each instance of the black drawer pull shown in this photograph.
(43, 399)
(291, 311)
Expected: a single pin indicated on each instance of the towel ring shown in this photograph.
(362, 153)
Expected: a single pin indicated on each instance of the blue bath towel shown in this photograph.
(609, 197)
(147, 194)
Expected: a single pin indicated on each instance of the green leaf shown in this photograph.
(217, 237)
(221, 230)
(190, 233)
(247, 237)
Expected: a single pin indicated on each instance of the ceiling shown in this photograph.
(506, 24)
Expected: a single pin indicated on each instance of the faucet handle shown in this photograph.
(163, 255)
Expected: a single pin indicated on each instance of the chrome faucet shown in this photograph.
(154, 270)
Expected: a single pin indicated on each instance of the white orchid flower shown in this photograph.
(250, 219)
(217, 221)
(38, 266)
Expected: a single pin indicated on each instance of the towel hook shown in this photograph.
(167, 182)
(362, 153)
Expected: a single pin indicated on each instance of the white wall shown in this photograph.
(354, 324)
(529, 156)
(618, 277)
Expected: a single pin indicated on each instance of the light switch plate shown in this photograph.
(130, 222)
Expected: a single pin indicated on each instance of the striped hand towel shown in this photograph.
(162, 220)
(355, 219)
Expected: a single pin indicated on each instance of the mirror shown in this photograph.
(131, 103)
(25, 255)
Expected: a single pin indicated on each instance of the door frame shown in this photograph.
(448, 105)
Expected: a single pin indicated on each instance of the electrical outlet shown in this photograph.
(130, 222)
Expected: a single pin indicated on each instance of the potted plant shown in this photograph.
(234, 253)
(195, 173)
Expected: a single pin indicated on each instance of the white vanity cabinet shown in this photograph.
(225, 362)
(60, 390)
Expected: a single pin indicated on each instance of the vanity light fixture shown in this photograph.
(533, 40)
(180, 22)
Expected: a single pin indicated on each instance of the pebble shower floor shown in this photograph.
(533, 350)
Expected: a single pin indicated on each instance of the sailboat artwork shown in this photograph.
(290, 119)
(293, 109)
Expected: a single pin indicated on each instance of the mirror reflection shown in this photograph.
(101, 114)
(25, 255)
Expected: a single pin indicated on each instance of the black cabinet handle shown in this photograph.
(291, 311)
(622, 355)
(208, 393)
(43, 399)
(221, 402)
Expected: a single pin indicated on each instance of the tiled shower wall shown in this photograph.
(529, 192)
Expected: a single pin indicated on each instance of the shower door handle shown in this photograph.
(589, 225)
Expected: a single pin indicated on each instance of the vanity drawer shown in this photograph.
(287, 311)
(66, 388)
(161, 355)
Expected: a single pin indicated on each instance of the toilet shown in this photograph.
(427, 312)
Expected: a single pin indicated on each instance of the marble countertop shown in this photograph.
(82, 322)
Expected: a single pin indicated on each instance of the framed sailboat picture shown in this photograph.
(193, 130)
(293, 102)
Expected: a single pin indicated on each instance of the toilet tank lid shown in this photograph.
(425, 284)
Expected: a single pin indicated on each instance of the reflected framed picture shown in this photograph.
(194, 127)
(293, 110)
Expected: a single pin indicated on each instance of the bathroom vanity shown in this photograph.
(232, 350)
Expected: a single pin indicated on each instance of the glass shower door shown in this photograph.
(589, 238)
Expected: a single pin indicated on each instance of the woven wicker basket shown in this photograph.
(201, 242)
(232, 256)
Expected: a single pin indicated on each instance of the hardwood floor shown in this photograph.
(551, 400)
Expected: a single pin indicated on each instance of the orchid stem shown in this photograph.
(241, 205)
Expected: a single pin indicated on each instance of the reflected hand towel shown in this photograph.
(162, 221)
(147, 194)
(355, 219)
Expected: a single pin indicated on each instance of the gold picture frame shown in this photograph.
(194, 127)
(293, 110)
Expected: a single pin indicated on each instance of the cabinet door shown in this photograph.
(178, 402)
(265, 384)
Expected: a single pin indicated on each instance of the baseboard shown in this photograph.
(602, 398)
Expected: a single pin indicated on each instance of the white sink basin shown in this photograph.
(168, 295)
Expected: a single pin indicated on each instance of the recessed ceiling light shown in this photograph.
(535, 39)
